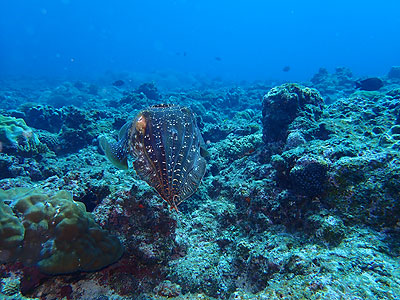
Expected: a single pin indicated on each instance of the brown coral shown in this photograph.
(60, 236)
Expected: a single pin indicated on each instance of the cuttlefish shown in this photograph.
(166, 148)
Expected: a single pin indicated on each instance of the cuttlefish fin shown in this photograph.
(204, 152)
(122, 131)
(115, 152)
(203, 148)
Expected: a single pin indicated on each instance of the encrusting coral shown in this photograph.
(53, 232)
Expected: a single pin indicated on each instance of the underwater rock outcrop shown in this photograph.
(147, 230)
(283, 104)
(343, 78)
(54, 233)
(43, 117)
(150, 90)
(333, 85)
(68, 128)
(354, 171)
(394, 72)
(365, 165)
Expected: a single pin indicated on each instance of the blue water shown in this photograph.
(236, 40)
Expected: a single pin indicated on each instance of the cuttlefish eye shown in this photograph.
(141, 124)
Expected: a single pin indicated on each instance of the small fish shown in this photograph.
(179, 54)
(286, 69)
(167, 149)
(369, 84)
(118, 83)
(217, 58)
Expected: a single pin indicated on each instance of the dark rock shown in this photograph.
(282, 105)
(328, 229)
(394, 72)
(343, 77)
(232, 98)
(93, 196)
(308, 177)
(75, 117)
(334, 86)
(118, 83)
(150, 90)
(43, 117)
(8, 165)
(74, 139)
(320, 77)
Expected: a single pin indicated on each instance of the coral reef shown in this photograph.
(283, 104)
(300, 199)
(42, 117)
(54, 232)
(334, 86)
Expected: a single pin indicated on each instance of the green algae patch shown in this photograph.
(53, 232)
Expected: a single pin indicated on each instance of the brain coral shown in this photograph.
(60, 236)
